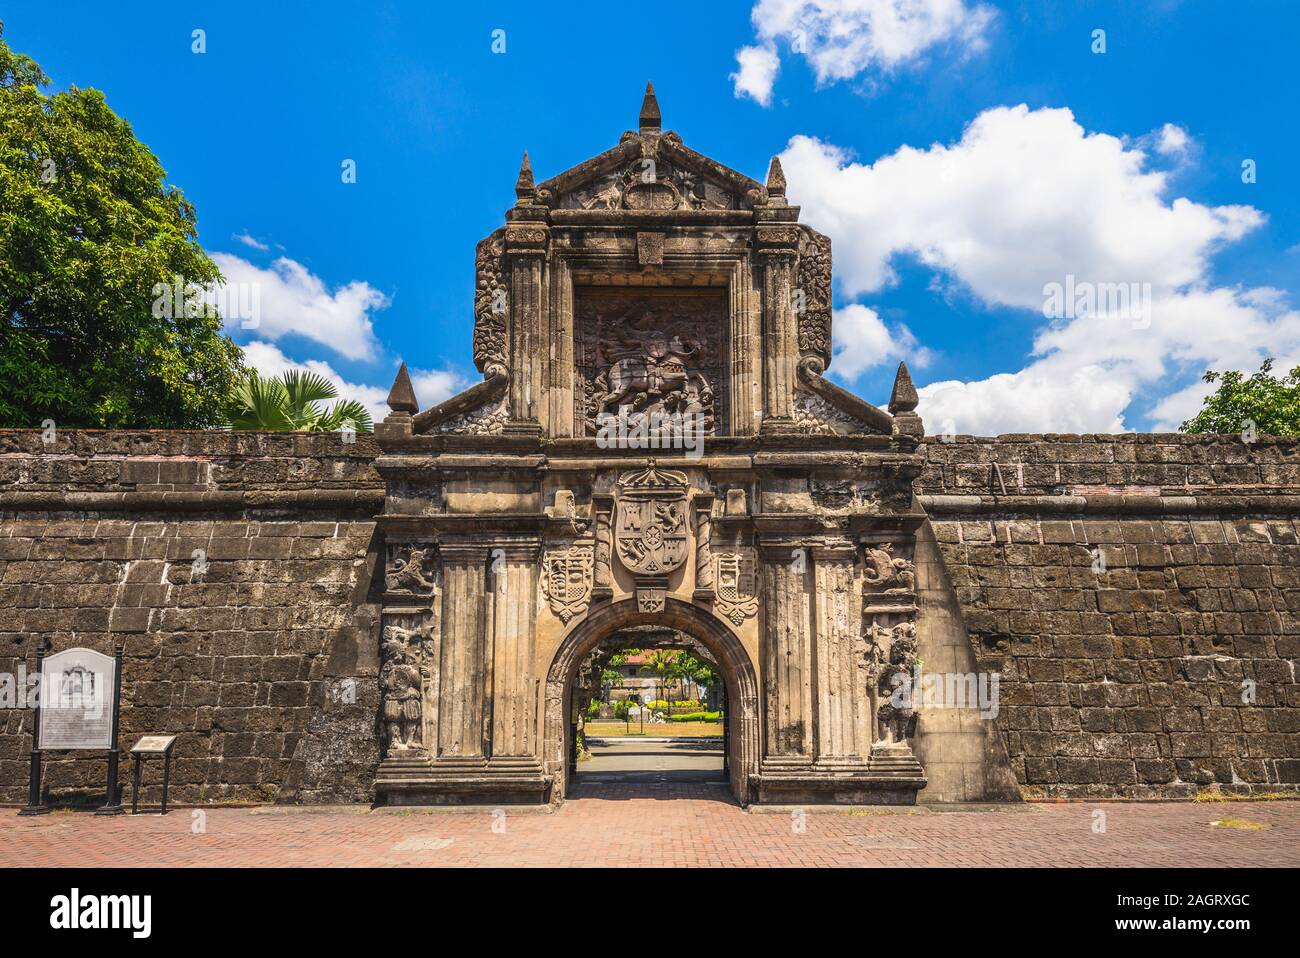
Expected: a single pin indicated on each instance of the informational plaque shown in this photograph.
(77, 689)
(151, 745)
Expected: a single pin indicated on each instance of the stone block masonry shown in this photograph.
(1129, 590)
(1140, 597)
(236, 570)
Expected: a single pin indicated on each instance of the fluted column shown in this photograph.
(512, 569)
(836, 612)
(777, 247)
(463, 687)
(787, 648)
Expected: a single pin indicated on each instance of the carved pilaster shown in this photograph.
(836, 618)
(602, 507)
(704, 572)
(787, 643)
(777, 246)
(512, 571)
(461, 704)
(525, 244)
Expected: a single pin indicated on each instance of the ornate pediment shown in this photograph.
(652, 171)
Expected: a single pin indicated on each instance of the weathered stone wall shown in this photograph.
(1126, 680)
(264, 663)
(1128, 589)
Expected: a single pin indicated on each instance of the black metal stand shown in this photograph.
(34, 804)
(135, 780)
(113, 798)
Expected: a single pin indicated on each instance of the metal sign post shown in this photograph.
(151, 746)
(34, 804)
(113, 799)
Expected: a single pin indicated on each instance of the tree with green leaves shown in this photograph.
(288, 403)
(1262, 404)
(89, 230)
(660, 664)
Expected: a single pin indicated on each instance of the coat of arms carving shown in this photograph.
(650, 529)
(566, 581)
(736, 593)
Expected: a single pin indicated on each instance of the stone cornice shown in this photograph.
(366, 501)
(941, 506)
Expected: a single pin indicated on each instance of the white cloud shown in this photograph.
(248, 240)
(292, 300)
(431, 386)
(841, 39)
(756, 72)
(1028, 198)
(1172, 140)
(862, 341)
(1035, 399)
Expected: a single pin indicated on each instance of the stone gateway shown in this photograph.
(655, 446)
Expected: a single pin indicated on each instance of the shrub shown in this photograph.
(696, 717)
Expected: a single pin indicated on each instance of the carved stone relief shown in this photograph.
(659, 360)
(814, 279)
(487, 420)
(736, 584)
(891, 656)
(650, 184)
(402, 674)
(650, 527)
(814, 416)
(491, 304)
(412, 570)
(566, 580)
(887, 572)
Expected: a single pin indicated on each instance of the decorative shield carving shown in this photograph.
(650, 528)
(566, 581)
(736, 592)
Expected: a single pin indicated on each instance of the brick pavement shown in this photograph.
(686, 824)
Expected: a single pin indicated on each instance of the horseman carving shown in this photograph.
(652, 372)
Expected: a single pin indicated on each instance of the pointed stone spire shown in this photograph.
(401, 398)
(651, 121)
(903, 398)
(775, 179)
(525, 188)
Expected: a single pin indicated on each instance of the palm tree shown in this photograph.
(287, 403)
(660, 662)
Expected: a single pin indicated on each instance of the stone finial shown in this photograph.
(776, 179)
(401, 398)
(525, 189)
(903, 398)
(651, 121)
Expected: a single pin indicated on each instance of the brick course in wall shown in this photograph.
(1130, 590)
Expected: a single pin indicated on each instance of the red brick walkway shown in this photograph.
(673, 825)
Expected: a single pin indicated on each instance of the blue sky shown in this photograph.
(962, 156)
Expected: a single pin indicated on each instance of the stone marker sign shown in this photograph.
(77, 700)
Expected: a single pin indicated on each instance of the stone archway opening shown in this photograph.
(649, 709)
(622, 622)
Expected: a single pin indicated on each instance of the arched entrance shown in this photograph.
(738, 673)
